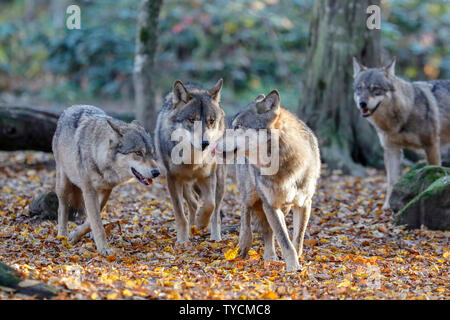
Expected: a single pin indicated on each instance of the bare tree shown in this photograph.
(337, 33)
(144, 73)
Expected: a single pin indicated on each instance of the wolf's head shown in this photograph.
(248, 126)
(198, 113)
(373, 87)
(133, 152)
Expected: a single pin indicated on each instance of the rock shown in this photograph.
(430, 208)
(419, 178)
(45, 207)
(11, 280)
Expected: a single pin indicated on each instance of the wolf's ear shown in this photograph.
(390, 68)
(357, 67)
(180, 93)
(215, 91)
(270, 103)
(260, 98)
(116, 127)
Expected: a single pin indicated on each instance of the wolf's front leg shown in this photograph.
(301, 218)
(433, 153)
(216, 220)
(245, 232)
(81, 230)
(188, 194)
(176, 194)
(207, 189)
(275, 217)
(90, 197)
(392, 162)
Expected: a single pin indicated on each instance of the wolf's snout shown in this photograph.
(205, 144)
(155, 173)
(363, 104)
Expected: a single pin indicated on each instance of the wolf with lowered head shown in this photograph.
(94, 153)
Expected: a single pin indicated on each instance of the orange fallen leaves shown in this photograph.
(351, 251)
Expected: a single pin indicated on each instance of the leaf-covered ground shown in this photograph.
(352, 249)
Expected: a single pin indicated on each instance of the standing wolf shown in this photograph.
(93, 154)
(267, 198)
(195, 113)
(404, 114)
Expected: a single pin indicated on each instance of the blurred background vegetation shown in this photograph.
(254, 45)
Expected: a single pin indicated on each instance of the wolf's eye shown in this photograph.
(377, 91)
(211, 121)
(139, 153)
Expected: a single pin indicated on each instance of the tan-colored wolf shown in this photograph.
(267, 198)
(405, 114)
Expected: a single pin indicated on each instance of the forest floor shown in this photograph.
(352, 249)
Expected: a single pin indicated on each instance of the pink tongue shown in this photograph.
(212, 147)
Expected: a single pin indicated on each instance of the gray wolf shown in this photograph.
(405, 114)
(266, 199)
(93, 154)
(186, 108)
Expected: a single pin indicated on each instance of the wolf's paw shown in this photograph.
(270, 257)
(291, 267)
(182, 245)
(106, 251)
(386, 206)
(74, 238)
(243, 252)
(62, 233)
(215, 237)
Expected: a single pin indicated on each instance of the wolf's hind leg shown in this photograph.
(433, 155)
(301, 218)
(63, 191)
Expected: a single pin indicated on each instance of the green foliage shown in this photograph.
(255, 45)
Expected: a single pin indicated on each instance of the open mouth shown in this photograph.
(366, 112)
(222, 153)
(141, 178)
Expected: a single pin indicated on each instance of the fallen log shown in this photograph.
(32, 128)
(10, 280)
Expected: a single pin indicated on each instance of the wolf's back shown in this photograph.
(71, 119)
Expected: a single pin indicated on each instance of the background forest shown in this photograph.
(198, 40)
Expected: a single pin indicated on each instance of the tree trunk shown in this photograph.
(143, 75)
(337, 33)
(32, 128)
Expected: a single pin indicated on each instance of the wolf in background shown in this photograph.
(405, 115)
(186, 107)
(93, 154)
(266, 199)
